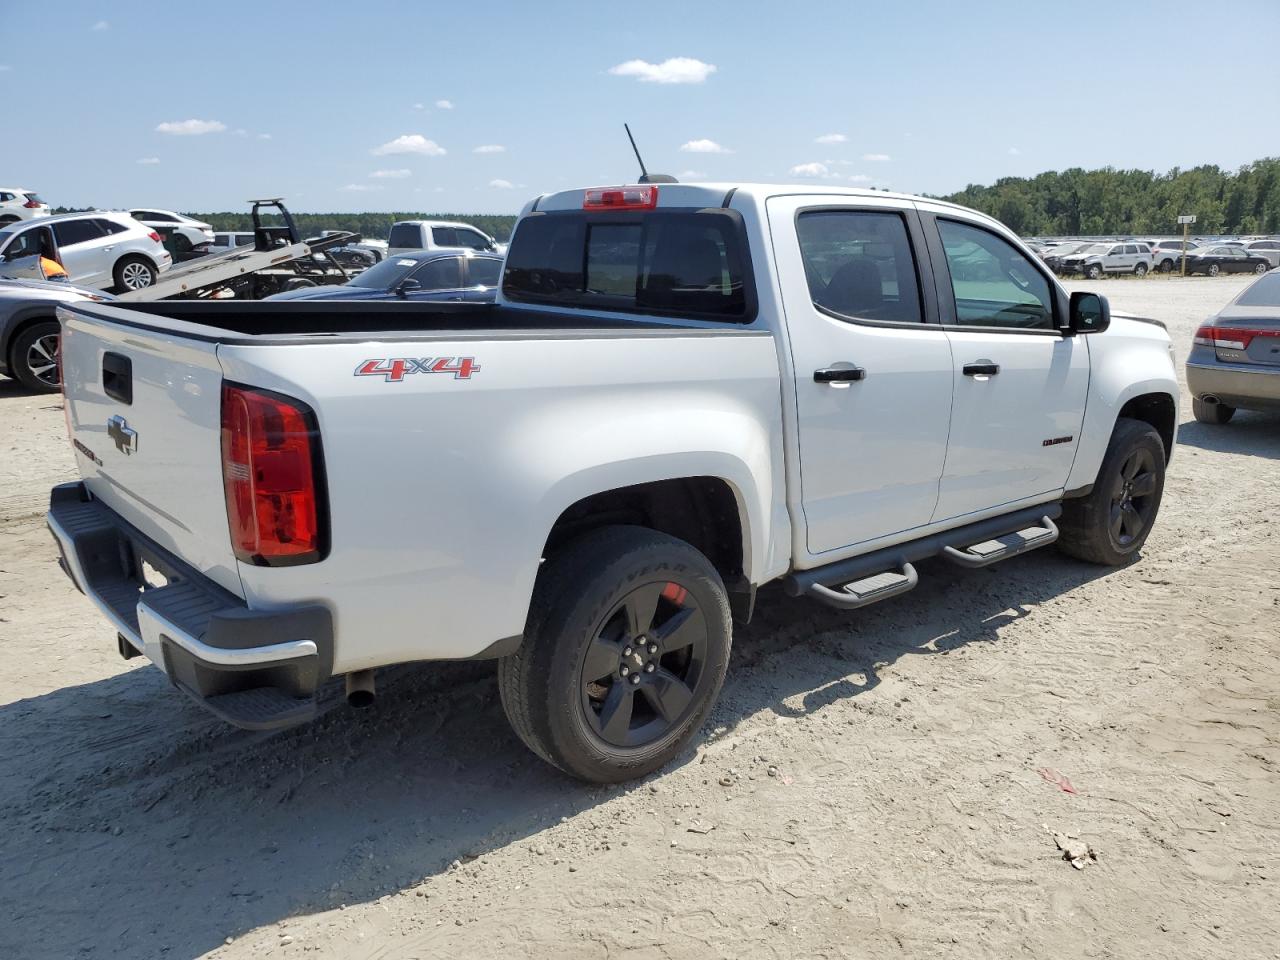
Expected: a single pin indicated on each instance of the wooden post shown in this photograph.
(1185, 228)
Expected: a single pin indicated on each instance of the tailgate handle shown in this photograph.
(117, 377)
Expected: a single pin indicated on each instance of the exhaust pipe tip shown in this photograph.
(1210, 399)
(360, 689)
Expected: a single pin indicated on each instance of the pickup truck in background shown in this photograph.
(683, 392)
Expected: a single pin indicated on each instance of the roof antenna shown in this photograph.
(645, 176)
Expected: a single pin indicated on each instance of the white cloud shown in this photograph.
(419, 106)
(444, 104)
(100, 26)
(264, 136)
(703, 146)
(149, 161)
(438, 190)
(809, 170)
(398, 174)
(831, 138)
(1014, 151)
(859, 178)
(410, 143)
(490, 148)
(360, 187)
(501, 184)
(5, 67)
(190, 128)
(691, 175)
(673, 70)
(876, 157)
(240, 132)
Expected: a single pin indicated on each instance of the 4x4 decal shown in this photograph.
(395, 370)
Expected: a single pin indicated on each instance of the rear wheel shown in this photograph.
(34, 357)
(1213, 270)
(1215, 413)
(133, 273)
(624, 653)
(1166, 266)
(5, 221)
(1140, 270)
(1261, 268)
(1110, 525)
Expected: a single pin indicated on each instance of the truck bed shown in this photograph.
(230, 321)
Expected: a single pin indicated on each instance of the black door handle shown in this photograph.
(839, 375)
(981, 368)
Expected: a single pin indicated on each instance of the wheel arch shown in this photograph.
(21, 320)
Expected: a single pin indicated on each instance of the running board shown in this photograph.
(868, 590)
(1004, 547)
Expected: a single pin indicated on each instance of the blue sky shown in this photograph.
(202, 106)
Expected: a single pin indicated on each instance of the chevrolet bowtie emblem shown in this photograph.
(124, 437)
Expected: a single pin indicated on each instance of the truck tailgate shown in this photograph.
(144, 413)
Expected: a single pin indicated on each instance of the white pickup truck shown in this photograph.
(682, 393)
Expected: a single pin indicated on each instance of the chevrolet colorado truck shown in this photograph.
(682, 393)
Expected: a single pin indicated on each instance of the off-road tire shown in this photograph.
(541, 684)
(1086, 526)
(1214, 413)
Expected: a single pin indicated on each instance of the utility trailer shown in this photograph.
(277, 261)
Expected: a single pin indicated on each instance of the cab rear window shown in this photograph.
(668, 262)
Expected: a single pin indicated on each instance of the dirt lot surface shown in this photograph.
(886, 783)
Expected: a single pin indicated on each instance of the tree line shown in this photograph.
(375, 226)
(1078, 202)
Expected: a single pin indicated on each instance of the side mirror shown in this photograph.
(1090, 313)
(406, 287)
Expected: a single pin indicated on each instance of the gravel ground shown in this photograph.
(872, 784)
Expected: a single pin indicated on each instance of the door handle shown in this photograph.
(108, 249)
(839, 375)
(981, 368)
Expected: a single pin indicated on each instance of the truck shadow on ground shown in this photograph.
(1250, 433)
(138, 827)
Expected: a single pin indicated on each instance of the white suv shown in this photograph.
(19, 203)
(99, 249)
(1100, 258)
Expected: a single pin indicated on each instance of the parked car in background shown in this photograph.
(1235, 357)
(184, 234)
(29, 331)
(377, 249)
(409, 235)
(18, 203)
(1265, 248)
(101, 249)
(1102, 258)
(1166, 254)
(1054, 256)
(224, 240)
(1217, 259)
(422, 275)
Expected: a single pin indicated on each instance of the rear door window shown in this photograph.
(71, 232)
(859, 265)
(406, 236)
(444, 236)
(484, 272)
(679, 262)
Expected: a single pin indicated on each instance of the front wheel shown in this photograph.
(1110, 525)
(1094, 272)
(1261, 268)
(133, 273)
(1213, 270)
(34, 357)
(624, 653)
(1140, 270)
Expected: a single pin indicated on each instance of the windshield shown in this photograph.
(387, 274)
(1093, 248)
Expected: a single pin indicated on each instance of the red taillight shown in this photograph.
(272, 477)
(33, 205)
(155, 236)
(620, 198)
(1231, 338)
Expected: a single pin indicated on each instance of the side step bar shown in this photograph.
(888, 572)
(1001, 548)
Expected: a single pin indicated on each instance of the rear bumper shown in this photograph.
(1235, 385)
(258, 669)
